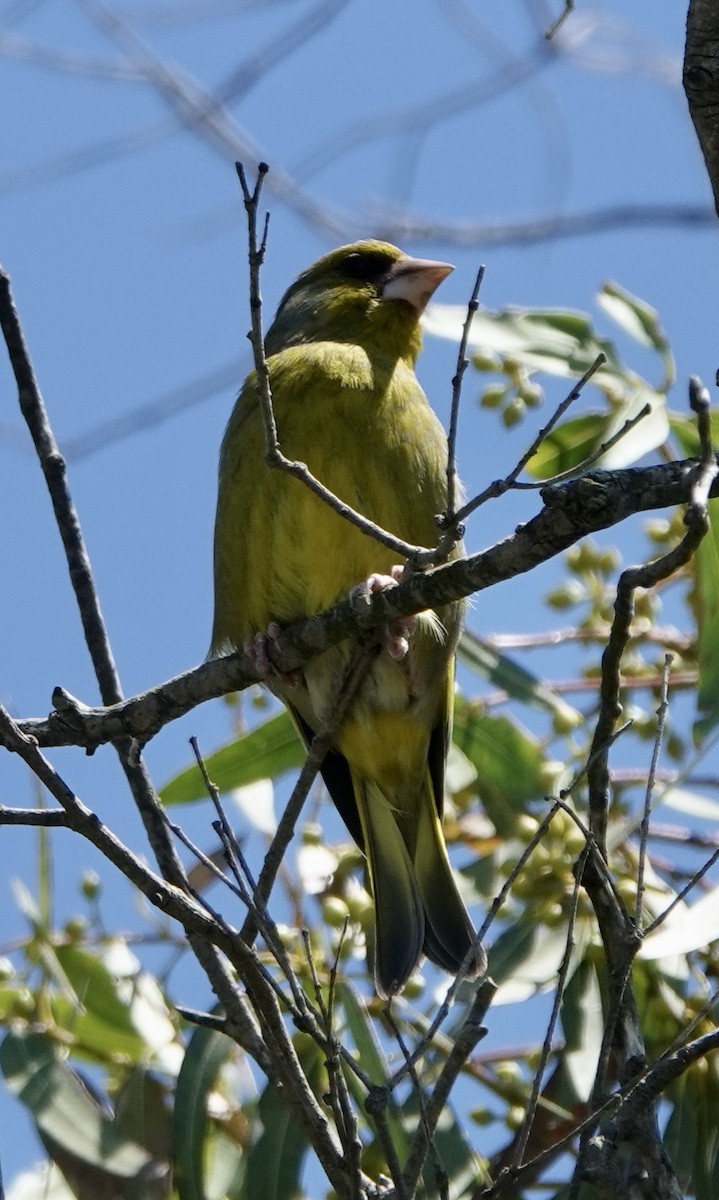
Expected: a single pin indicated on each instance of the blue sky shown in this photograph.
(130, 277)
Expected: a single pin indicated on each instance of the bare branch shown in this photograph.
(500, 486)
(571, 511)
(462, 364)
(701, 85)
(50, 818)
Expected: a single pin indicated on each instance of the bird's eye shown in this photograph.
(366, 266)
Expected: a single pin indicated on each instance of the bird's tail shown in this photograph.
(449, 934)
(418, 909)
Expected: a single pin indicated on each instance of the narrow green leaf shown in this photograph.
(510, 763)
(372, 1059)
(569, 445)
(583, 1025)
(43, 1181)
(649, 433)
(206, 1054)
(111, 1012)
(142, 1112)
(274, 1164)
(526, 957)
(63, 1109)
(362, 1032)
(687, 928)
(690, 1137)
(691, 804)
(519, 683)
(634, 316)
(264, 753)
(459, 1160)
(685, 431)
(558, 341)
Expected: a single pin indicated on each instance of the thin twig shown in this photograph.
(563, 16)
(662, 711)
(318, 749)
(440, 1175)
(462, 364)
(590, 460)
(523, 1136)
(500, 486)
(469, 1035)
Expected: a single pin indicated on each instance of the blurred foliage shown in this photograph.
(131, 1101)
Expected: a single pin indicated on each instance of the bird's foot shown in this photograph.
(398, 633)
(257, 648)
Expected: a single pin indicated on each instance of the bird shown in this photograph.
(341, 356)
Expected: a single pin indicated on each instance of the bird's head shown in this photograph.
(368, 293)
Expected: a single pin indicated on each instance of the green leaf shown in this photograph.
(274, 1164)
(558, 341)
(681, 1133)
(459, 1160)
(526, 958)
(264, 753)
(634, 316)
(362, 1033)
(691, 1137)
(142, 1112)
(685, 431)
(569, 445)
(207, 1053)
(691, 804)
(687, 928)
(504, 672)
(64, 1110)
(373, 1061)
(116, 1011)
(42, 1182)
(651, 431)
(583, 1025)
(510, 763)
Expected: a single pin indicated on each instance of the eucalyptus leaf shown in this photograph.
(207, 1052)
(264, 753)
(275, 1161)
(569, 445)
(583, 1025)
(634, 316)
(63, 1108)
(506, 673)
(686, 928)
(509, 762)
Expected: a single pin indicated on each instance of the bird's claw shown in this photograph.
(398, 633)
(257, 648)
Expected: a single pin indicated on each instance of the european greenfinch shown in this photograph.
(341, 354)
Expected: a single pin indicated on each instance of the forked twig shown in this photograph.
(500, 486)
(273, 451)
